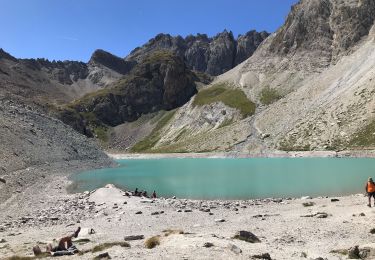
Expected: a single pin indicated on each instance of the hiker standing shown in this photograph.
(370, 189)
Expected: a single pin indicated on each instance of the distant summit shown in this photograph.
(111, 61)
(213, 56)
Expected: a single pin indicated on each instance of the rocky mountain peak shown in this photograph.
(111, 61)
(212, 55)
(5, 55)
(328, 28)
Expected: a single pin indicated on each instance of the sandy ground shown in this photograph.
(278, 223)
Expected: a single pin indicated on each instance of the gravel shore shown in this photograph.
(305, 228)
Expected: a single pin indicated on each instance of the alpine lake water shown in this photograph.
(249, 178)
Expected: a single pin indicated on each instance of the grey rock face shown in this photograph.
(326, 28)
(65, 72)
(214, 55)
(111, 61)
(221, 53)
(5, 55)
(247, 45)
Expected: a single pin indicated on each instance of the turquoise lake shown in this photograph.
(235, 178)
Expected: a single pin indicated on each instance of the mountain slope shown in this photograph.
(31, 142)
(312, 82)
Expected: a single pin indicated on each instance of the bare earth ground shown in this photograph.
(46, 211)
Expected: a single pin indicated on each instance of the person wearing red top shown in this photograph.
(370, 189)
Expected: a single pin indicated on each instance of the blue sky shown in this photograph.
(73, 29)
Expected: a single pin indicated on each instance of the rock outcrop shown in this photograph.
(214, 55)
(160, 82)
(64, 72)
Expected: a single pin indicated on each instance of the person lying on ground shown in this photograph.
(64, 247)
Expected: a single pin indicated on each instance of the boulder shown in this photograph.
(262, 256)
(235, 249)
(134, 237)
(353, 253)
(247, 236)
(208, 244)
(102, 256)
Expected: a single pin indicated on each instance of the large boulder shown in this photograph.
(247, 236)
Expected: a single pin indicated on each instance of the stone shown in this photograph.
(353, 253)
(308, 204)
(138, 212)
(208, 244)
(102, 256)
(322, 215)
(235, 249)
(262, 256)
(134, 237)
(334, 200)
(3, 180)
(362, 214)
(3, 240)
(246, 236)
(372, 231)
(306, 198)
(218, 220)
(146, 201)
(188, 210)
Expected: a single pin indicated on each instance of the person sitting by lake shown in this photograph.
(154, 195)
(144, 194)
(370, 189)
(64, 247)
(136, 192)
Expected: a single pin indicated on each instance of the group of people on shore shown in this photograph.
(143, 194)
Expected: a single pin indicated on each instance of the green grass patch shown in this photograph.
(234, 98)
(152, 242)
(101, 133)
(365, 137)
(226, 122)
(340, 251)
(151, 140)
(105, 246)
(82, 241)
(16, 257)
(289, 145)
(269, 95)
(169, 232)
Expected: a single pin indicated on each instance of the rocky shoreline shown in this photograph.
(273, 154)
(304, 228)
